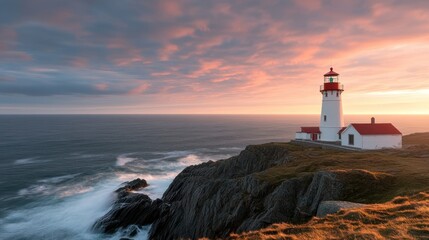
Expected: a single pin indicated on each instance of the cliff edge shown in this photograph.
(275, 183)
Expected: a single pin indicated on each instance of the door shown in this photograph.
(314, 136)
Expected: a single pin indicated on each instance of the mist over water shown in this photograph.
(58, 173)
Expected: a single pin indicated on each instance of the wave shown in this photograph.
(78, 199)
(25, 161)
(231, 148)
(191, 159)
(35, 190)
(56, 186)
(47, 189)
(194, 159)
(73, 216)
(68, 219)
(123, 159)
(58, 179)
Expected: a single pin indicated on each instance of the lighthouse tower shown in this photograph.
(331, 119)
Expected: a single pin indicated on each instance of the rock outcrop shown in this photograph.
(330, 207)
(215, 199)
(129, 209)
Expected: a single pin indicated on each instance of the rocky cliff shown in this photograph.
(402, 218)
(215, 199)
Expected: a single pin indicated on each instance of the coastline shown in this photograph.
(282, 182)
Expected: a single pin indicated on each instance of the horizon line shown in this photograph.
(195, 114)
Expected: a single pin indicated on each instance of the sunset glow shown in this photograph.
(212, 57)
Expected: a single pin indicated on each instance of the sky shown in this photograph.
(212, 57)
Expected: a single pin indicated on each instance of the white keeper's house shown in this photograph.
(357, 135)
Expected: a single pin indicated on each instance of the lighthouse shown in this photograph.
(331, 131)
(331, 118)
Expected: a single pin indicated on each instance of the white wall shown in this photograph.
(303, 136)
(370, 141)
(345, 137)
(382, 141)
(332, 108)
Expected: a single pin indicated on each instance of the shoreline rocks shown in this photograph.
(129, 209)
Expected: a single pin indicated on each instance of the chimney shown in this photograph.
(373, 120)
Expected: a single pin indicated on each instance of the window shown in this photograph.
(324, 118)
(337, 94)
(326, 94)
(339, 136)
(332, 93)
(351, 139)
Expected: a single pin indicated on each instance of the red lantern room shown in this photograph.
(331, 82)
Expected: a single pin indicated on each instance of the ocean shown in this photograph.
(58, 172)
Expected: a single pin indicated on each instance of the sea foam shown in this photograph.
(123, 159)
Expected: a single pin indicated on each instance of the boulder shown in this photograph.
(129, 209)
(331, 207)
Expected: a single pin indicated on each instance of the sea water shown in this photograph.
(58, 172)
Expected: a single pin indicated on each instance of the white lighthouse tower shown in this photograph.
(331, 119)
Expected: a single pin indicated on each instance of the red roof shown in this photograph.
(376, 128)
(342, 130)
(331, 73)
(310, 129)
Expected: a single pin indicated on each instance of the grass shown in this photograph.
(409, 166)
(402, 218)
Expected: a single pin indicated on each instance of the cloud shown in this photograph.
(139, 89)
(101, 86)
(167, 50)
(208, 51)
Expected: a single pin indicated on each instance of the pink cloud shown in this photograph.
(128, 56)
(160, 74)
(16, 55)
(167, 50)
(117, 42)
(101, 86)
(201, 25)
(174, 32)
(170, 8)
(7, 38)
(139, 89)
(222, 8)
(266, 51)
(256, 78)
(206, 67)
(79, 62)
(310, 5)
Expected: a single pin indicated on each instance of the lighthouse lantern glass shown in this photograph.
(331, 79)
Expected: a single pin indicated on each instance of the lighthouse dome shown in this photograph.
(331, 73)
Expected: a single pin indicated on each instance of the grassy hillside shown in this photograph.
(402, 218)
(416, 139)
(405, 217)
(409, 166)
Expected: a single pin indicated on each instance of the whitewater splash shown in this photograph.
(123, 159)
(50, 186)
(68, 205)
